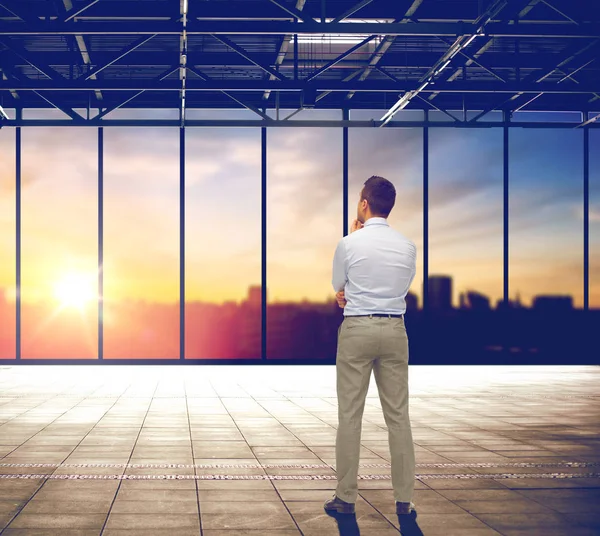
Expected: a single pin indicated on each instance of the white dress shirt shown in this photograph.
(375, 267)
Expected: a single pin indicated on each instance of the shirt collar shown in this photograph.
(376, 221)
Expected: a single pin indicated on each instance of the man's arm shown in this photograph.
(340, 271)
(414, 270)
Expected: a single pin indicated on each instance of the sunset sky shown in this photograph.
(141, 182)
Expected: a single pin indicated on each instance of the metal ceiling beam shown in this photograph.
(299, 85)
(460, 43)
(335, 61)
(10, 77)
(68, 13)
(71, 14)
(206, 78)
(183, 54)
(517, 101)
(244, 123)
(130, 48)
(590, 121)
(237, 48)
(472, 59)
(265, 10)
(352, 10)
(561, 13)
(429, 104)
(387, 42)
(17, 9)
(294, 12)
(283, 48)
(24, 54)
(229, 27)
(518, 11)
(13, 93)
(497, 61)
(122, 103)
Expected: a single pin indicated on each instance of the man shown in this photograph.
(373, 268)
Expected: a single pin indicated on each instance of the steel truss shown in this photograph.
(197, 55)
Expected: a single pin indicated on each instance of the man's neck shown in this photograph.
(371, 217)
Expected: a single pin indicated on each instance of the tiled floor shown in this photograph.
(167, 450)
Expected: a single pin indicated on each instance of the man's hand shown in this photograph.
(341, 300)
(356, 225)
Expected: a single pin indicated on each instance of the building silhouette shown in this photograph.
(412, 302)
(440, 293)
(553, 304)
(254, 299)
(477, 302)
(302, 329)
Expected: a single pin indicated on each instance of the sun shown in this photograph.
(75, 290)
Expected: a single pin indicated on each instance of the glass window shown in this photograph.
(223, 243)
(53, 114)
(141, 243)
(59, 241)
(8, 228)
(594, 219)
(465, 216)
(546, 199)
(546, 117)
(304, 219)
(397, 155)
(465, 243)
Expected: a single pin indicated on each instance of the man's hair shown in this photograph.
(381, 195)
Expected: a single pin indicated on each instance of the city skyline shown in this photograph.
(254, 295)
(304, 203)
(294, 330)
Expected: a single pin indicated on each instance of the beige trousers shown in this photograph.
(378, 344)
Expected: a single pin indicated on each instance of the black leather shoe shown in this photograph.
(404, 508)
(336, 504)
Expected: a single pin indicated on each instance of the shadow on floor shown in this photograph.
(348, 526)
(408, 525)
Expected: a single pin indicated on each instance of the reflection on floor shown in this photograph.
(178, 450)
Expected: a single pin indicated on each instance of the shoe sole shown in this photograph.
(340, 510)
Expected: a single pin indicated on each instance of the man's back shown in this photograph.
(378, 264)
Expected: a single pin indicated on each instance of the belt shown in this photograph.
(377, 315)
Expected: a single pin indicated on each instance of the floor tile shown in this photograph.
(486, 441)
(58, 522)
(151, 522)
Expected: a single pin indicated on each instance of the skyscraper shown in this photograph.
(440, 293)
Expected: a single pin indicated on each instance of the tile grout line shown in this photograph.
(324, 422)
(187, 410)
(130, 456)
(46, 480)
(320, 419)
(303, 443)
(44, 400)
(252, 450)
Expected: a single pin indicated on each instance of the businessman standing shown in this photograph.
(373, 268)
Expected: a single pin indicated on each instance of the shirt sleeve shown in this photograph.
(414, 268)
(340, 267)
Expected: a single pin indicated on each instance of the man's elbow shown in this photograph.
(338, 285)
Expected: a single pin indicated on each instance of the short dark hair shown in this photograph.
(381, 195)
